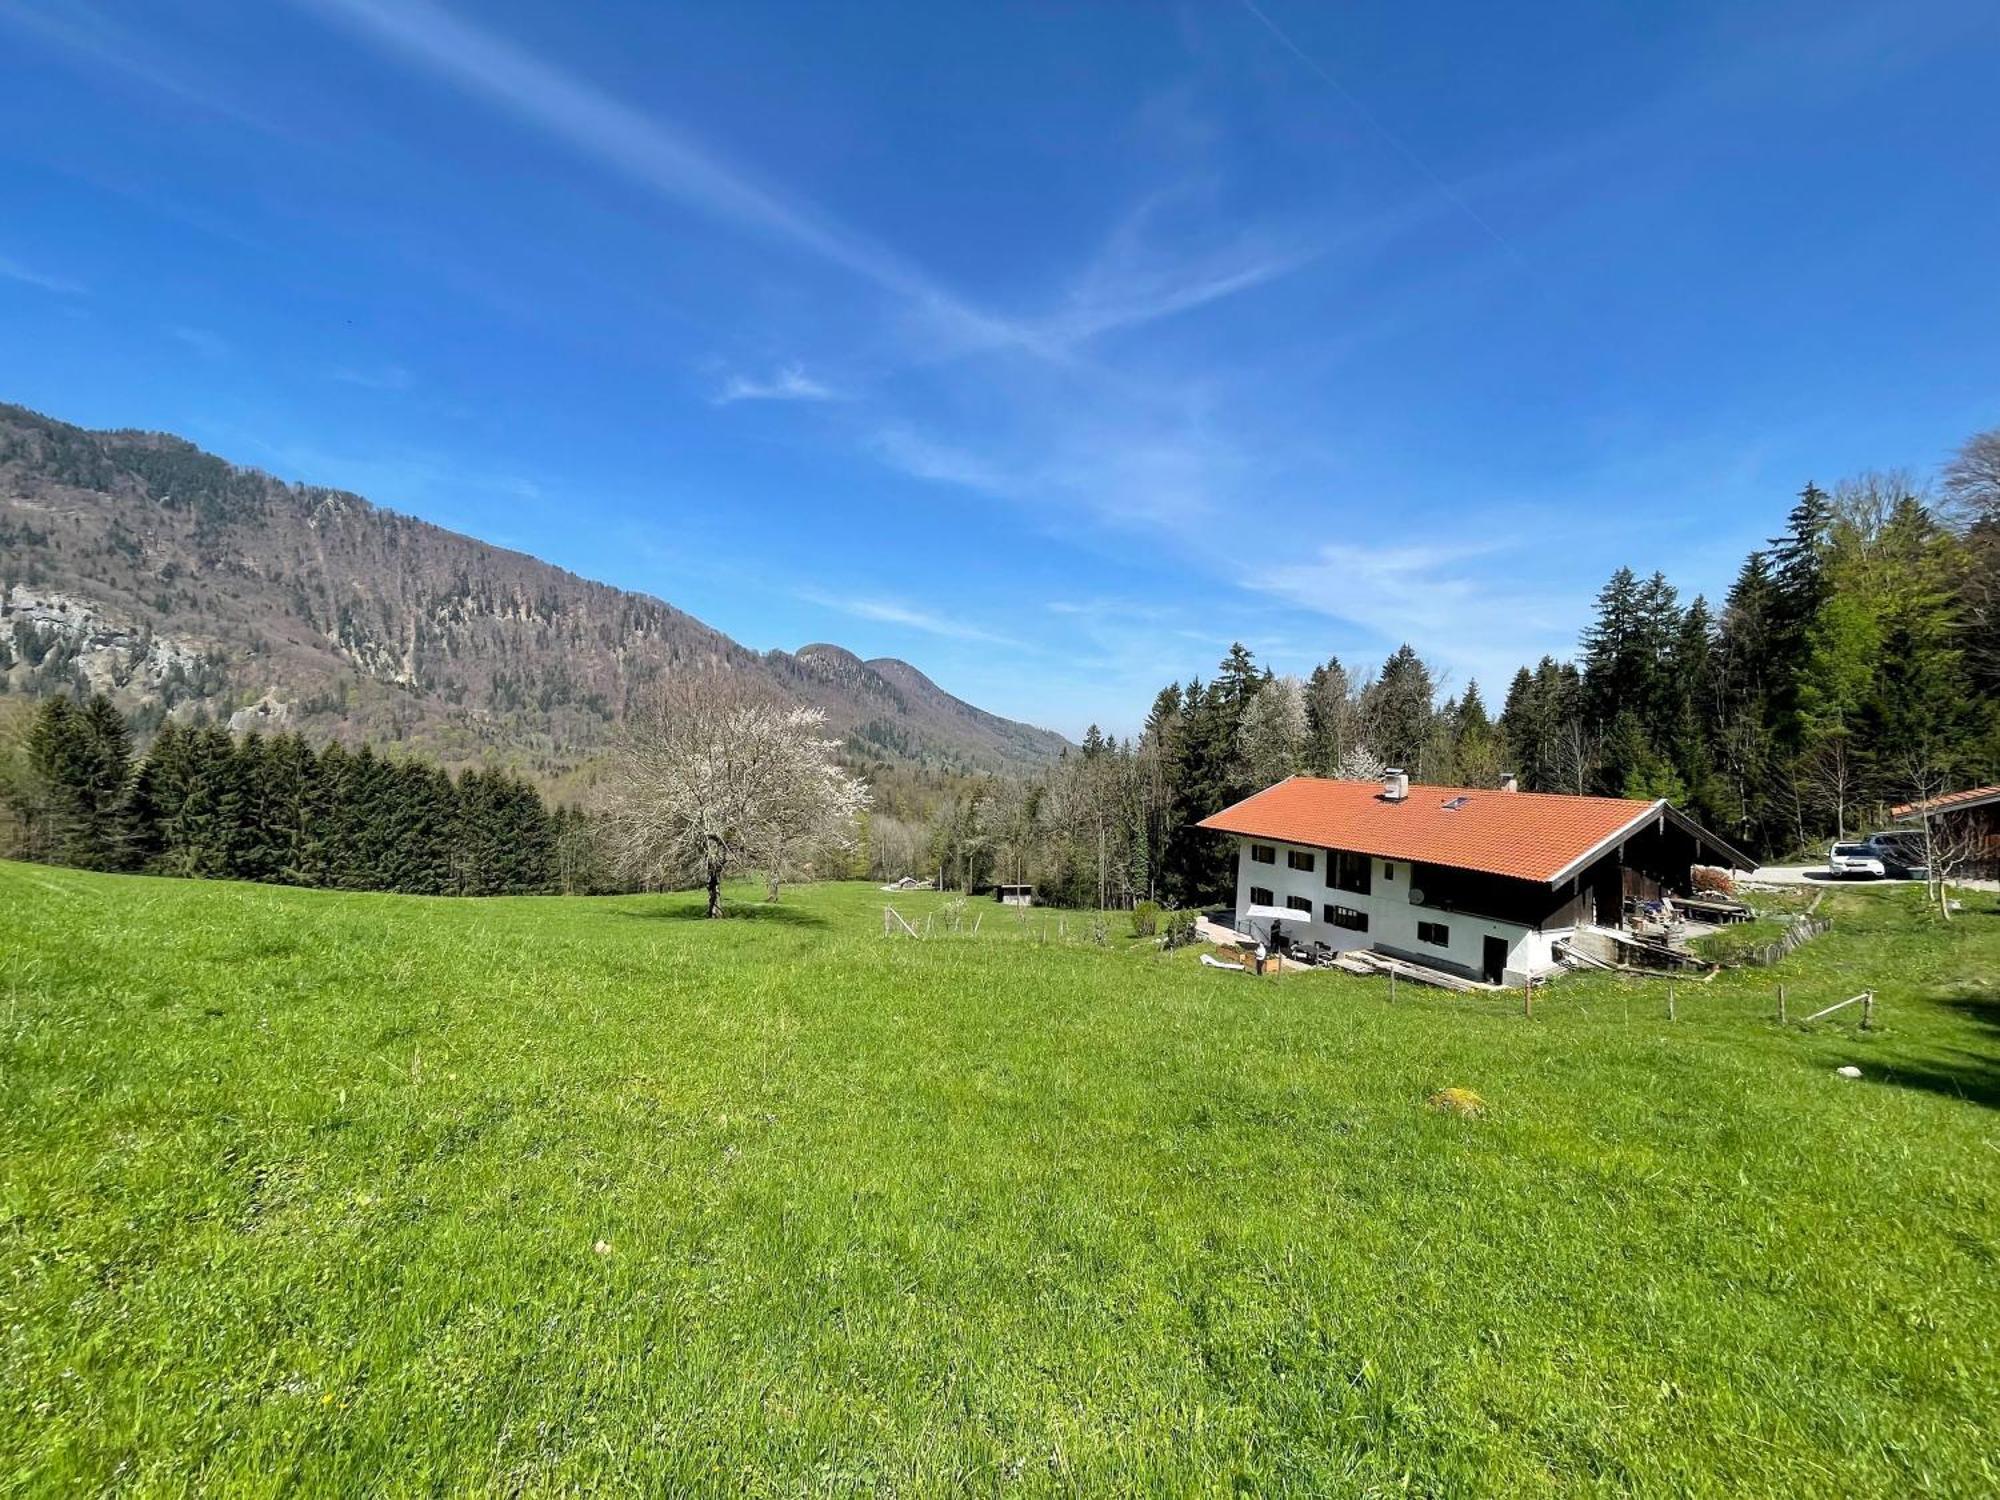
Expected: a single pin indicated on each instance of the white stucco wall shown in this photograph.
(1392, 920)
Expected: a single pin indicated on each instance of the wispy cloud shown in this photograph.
(86, 31)
(14, 270)
(923, 457)
(1396, 143)
(671, 162)
(1090, 457)
(1456, 600)
(1148, 299)
(378, 378)
(788, 384)
(653, 153)
(893, 612)
(205, 342)
(1132, 280)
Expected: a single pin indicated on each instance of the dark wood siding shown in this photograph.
(1527, 903)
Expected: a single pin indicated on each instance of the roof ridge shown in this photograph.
(1445, 786)
(1525, 835)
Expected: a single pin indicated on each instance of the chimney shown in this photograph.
(1509, 782)
(1395, 784)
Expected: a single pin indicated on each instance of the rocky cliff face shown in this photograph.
(137, 564)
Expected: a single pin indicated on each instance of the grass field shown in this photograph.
(327, 1193)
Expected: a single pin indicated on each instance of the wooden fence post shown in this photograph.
(1781, 1005)
(1670, 1001)
(1528, 999)
(1868, 1012)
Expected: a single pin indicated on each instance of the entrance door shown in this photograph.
(1496, 959)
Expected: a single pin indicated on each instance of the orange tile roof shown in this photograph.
(1527, 835)
(1970, 798)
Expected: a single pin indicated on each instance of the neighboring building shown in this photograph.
(1014, 895)
(1971, 818)
(1473, 880)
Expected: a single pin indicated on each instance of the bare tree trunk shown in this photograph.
(715, 890)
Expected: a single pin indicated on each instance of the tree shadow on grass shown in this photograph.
(756, 911)
(1969, 1073)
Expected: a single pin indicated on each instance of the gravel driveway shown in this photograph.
(1816, 875)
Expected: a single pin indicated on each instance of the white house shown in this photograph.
(1473, 880)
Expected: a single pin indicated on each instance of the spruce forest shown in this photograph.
(201, 802)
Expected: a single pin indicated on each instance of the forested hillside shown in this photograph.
(1854, 664)
(205, 803)
(136, 565)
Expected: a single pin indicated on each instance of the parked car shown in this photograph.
(1854, 862)
(1902, 854)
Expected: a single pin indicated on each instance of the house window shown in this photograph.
(1435, 933)
(1299, 859)
(1347, 872)
(1388, 870)
(1348, 917)
(1300, 903)
(1263, 854)
(1259, 896)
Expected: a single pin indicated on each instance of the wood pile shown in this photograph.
(1382, 963)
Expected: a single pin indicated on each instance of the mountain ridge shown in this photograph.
(138, 564)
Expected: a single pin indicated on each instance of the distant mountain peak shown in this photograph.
(824, 651)
(198, 588)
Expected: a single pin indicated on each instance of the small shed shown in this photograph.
(1014, 895)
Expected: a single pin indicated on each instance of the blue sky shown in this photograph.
(1048, 347)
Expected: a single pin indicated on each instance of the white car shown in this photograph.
(1854, 861)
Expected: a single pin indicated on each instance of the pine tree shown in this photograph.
(1476, 746)
(292, 809)
(80, 761)
(1330, 717)
(198, 837)
(324, 861)
(1744, 699)
(1399, 707)
(1521, 732)
(256, 821)
(153, 802)
(1695, 727)
(1612, 674)
(1658, 691)
(1799, 592)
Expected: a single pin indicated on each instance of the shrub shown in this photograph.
(1179, 928)
(1145, 919)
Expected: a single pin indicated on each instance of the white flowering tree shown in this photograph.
(711, 779)
(1271, 741)
(1360, 764)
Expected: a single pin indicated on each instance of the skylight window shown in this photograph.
(1456, 803)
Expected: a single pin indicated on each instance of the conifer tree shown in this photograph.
(1331, 717)
(79, 760)
(153, 802)
(1399, 707)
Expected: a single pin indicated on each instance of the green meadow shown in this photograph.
(307, 1192)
